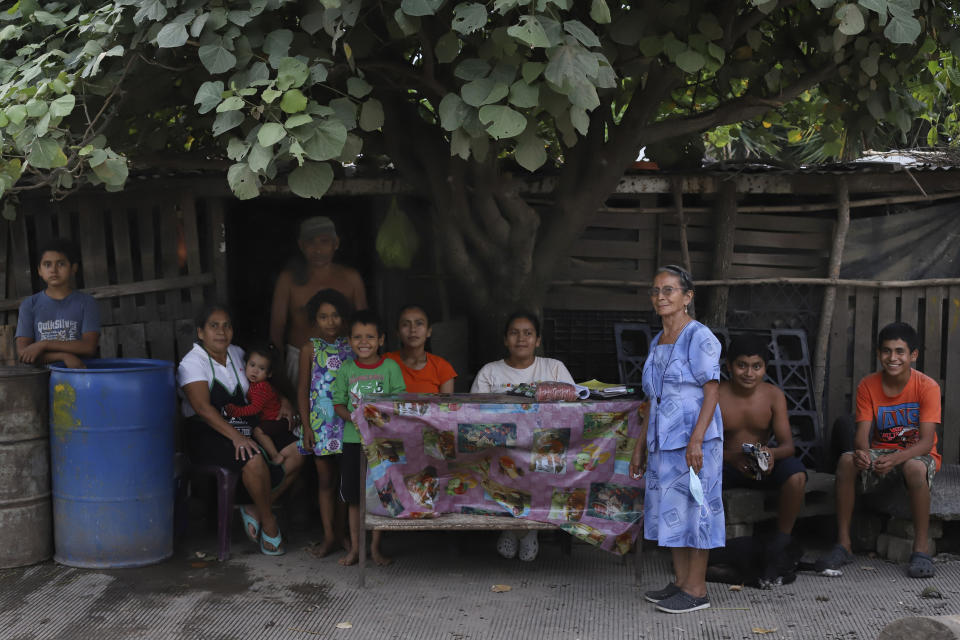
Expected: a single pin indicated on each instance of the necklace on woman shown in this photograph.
(663, 372)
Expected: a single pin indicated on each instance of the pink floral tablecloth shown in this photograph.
(565, 463)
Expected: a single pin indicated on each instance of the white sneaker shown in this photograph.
(529, 547)
(507, 544)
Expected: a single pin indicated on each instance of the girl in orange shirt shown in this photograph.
(423, 372)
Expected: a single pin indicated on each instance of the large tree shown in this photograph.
(466, 99)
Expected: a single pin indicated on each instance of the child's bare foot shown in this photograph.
(380, 559)
(322, 549)
(347, 544)
(349, 559)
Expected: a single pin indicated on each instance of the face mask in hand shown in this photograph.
(696, 489)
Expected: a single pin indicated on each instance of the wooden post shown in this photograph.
(830, 297)
(677, 185)
(725, 233)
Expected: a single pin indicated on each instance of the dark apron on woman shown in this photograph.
(206, 445)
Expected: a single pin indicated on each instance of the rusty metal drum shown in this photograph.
(26, 518)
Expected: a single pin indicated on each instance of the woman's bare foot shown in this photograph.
(349, 559)
(380, 559)
(323, 549)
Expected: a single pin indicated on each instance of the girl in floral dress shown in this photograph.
(322, 433)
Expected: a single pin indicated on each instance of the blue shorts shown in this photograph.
(733, 478)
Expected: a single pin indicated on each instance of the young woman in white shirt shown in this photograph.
(521, 336)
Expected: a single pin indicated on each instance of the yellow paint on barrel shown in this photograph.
(64, 404)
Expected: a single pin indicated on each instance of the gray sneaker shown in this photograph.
(683, 602)
(662, 594)
(833, 559)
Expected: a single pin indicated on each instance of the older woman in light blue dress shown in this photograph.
(682, 431)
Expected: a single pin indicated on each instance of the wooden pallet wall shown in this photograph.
(861, 312)
(150, 257)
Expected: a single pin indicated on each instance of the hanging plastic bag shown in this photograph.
(397, 239)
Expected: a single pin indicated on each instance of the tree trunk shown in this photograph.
(725, 232)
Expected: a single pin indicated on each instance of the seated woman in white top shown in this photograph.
(521, 337)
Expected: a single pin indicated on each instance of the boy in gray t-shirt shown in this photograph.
(58, 324)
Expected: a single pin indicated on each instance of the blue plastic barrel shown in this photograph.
(111, 459)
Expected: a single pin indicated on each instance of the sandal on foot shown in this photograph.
(833, 559)
(661, 594)
(248, 522)
(274, 541)
(529, 547)
(683, 602)
(921, 565)
(507, 544)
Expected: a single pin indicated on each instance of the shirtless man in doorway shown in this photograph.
(298, 283)
(752, 411)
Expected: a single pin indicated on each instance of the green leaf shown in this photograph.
(269, 95)
(530, 152)
(580, 120)
(902, 30)
(36, 108)
(297, 121)
(277, 44)
(230, 104)
(259, 158)
(239, 17)
(869, 65)
(351, 149)
(690, 61)
(271, 133)
(472, 69)
(469, 17)
(599, 13)
(208, 96)
(371, 115)
(408, 25)
(216, 58)
(226, 121)
(531, 70)
(291, 73)
(171, 36)
(878, 6)
(530, 32)
(293, 101)
(483, 91)
(823, 4)
(420, 7)
(346, 110)
(45, 153)
(502, 122)
(709, 27)
(243, 182)
(237, 149)
(327, 140)
(460, 144)
(62, 106)
(358, 87)
(17, 113)
(851, 20)
(447, 48)
(452, 111)
(312, 180)
(582, 33)
(523, 95)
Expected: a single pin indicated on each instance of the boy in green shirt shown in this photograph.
(369, 373)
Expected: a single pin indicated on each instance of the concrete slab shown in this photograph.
(440, 587)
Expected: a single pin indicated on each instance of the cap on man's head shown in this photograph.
(316, 226)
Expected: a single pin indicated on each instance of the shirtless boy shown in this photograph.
(752, 411)
(298, 283)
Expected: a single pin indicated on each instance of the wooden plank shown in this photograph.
(864, 354)
(886, 307)
(768, 239)
(191, 240)
(6, 288)
(951, 409)
(611, 249)
(108, 342)
(22, 266)
(93, 253)
(218, 249)
(160, 340)
(42, 219)
(146, 232)
(932, 333)
(807, 224)
(594, 300)
(65, 223)
(185, 334)
(132, 340)
(909, 303)
(779, 259)
(8, 345)
(744, 271)
(838, 392)
(623, 221)
(123, 260)
(134, 288)
(169, 241)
